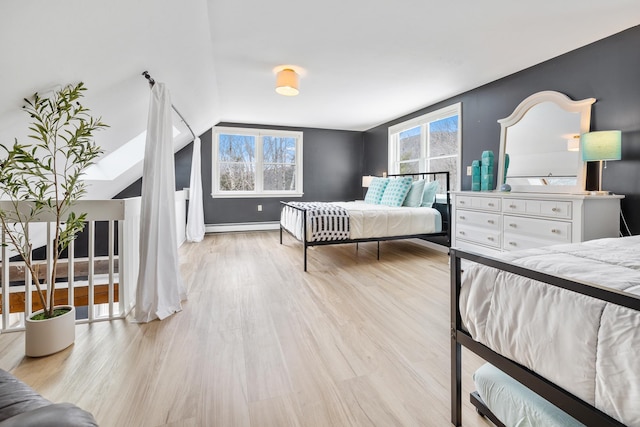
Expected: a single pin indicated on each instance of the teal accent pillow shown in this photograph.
(429, 194)
(376, 190)
(414, 196)
(396, 191)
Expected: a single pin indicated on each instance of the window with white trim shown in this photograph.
(256, 162)
(429, 143)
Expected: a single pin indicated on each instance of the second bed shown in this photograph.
(316, 223)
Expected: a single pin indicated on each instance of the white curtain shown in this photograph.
(160, 287)
(195, 217)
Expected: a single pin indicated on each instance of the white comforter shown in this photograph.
(586, 346)
(368, 220)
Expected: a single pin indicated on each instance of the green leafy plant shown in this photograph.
(42, 179)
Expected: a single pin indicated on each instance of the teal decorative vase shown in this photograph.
(475, 175)
(486, 179)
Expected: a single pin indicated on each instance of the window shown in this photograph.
(256, 162)
(429, 143)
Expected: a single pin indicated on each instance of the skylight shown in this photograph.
(120, 160)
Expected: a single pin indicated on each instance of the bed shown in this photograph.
(318, 223)
(562, 320)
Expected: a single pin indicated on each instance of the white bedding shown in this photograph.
(368, 220)
(586, 346)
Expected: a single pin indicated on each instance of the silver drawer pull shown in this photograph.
(490, 221)
(512, 225)
(555, 210)
(555, 230)
(461, 232)
(461, 202)
(462, 217)
(512, 206)
(491, 204)
(490, 238)
(512, 243)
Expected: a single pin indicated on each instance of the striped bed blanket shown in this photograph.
(325, 221)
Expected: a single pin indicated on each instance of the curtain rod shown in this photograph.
(153, 82)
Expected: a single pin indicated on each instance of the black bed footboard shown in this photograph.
(564, 400)
(305, 243)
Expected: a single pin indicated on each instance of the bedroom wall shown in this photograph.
(332, 165)
(606, 70)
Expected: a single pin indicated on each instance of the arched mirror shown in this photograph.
(540, 144)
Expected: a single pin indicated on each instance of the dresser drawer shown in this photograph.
(479, 235)
(479, 219)
(515, 206)
(547, 208)
(484, 203)
(515, 242)
(556, 209)
(554, 232)
(476, 248)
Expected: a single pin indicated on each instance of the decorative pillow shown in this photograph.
(396, 191)
(429, 194)
(414, 196)
(376, 190)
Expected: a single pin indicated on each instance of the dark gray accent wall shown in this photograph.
(607, 70)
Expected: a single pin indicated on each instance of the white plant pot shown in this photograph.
(48, 336)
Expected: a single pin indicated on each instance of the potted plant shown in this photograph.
(42, 179)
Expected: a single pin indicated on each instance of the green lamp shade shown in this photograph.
(601, 145)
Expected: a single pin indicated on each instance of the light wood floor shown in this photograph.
(353, 342)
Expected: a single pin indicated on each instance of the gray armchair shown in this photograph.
(21, 406)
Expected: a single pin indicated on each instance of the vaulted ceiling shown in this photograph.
(362, 62)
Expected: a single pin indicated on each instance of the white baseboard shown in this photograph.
(242, 226)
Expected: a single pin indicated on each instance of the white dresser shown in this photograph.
(493, 222)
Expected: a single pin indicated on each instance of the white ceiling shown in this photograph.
(108, 44)
(364, 62)
(369, 61)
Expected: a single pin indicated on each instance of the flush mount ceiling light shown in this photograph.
(287, 82)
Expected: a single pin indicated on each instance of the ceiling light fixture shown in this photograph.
(287, 82)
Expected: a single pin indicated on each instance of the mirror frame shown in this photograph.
(583, 107)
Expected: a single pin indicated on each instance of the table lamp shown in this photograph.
(601, 146)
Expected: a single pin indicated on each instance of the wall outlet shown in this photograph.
(259, 208)
(468, 170)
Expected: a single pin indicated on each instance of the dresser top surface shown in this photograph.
(545, 196)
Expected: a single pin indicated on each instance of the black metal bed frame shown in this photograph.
(482, 409)
(572, 405)
(443, 208)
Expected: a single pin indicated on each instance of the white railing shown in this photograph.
(41, 231)
(117, 278)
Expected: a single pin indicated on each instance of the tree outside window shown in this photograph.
(257, 162)
(237, 162)
(429, 143)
